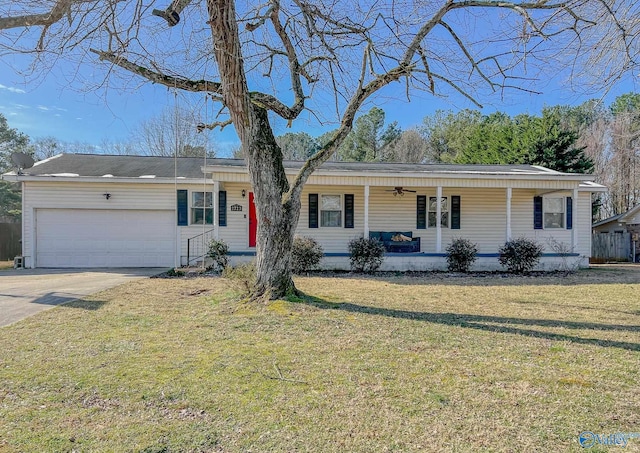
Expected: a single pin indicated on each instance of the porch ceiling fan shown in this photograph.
(399, 191)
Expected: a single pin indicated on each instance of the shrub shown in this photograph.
(564, 251)
(173, 272)
(520, 255)
(218, 251)
(241, 277)
(366, 254)
(306, 254)
(461, 254)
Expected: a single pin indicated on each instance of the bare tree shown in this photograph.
(240, 54)
(45, 147)
(173, 132)
(410, 146)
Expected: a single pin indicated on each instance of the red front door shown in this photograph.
(253, 221)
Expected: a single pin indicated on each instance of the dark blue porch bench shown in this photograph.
(391, 246)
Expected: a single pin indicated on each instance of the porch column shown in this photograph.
(574, 223)
(509, 194)
(216, 190)
(438, 217)
(366, 211)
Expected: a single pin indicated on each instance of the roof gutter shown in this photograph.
(93, 179)
(549, 176)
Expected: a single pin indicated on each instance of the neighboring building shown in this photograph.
(626, 227)
(82, 210)
(627, 222)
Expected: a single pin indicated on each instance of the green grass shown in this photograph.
(366, 365)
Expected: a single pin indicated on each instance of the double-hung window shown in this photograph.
(554, 212)
(202, 208)
(433, 212)
(330, 210)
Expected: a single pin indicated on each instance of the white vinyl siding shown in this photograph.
(482, 213)
(483, 219)
(72, 195)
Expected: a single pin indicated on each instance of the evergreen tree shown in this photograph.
(11, 141)
(365, 143)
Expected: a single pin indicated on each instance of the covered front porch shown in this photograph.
(485, 205)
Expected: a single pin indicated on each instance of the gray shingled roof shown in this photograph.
(98, 165)
(118, 166)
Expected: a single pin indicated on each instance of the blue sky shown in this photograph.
(54, 105)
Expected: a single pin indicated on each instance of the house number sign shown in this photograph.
(236, 207)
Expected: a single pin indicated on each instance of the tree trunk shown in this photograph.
(277, 220)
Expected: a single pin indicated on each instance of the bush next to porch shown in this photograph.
(367, 254)
(520, 255)
(306, 254)
(461, 254)
(219, 252)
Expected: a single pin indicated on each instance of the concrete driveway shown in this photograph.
(25, 292)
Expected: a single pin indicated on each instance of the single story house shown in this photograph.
(83, 210)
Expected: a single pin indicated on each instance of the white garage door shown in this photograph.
(104, 238)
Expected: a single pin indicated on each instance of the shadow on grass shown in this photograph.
(68, 301)
(596, 276)
(499, 324)
(85, 304)
(59, 298)
(581, 307)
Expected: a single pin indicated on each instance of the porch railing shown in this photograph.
(198, 247)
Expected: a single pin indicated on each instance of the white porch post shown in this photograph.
(438, 222)
(574, 221)
(366, 211)
(216, 190)
(509, 195)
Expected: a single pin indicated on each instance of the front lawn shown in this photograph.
(370, 365)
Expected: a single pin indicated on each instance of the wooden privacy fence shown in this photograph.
(610, 247)
(10, 240)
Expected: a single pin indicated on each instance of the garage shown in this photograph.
(77, 238)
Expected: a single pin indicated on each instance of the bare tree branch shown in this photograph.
(61, 9)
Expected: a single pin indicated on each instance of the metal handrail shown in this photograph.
(189, 246)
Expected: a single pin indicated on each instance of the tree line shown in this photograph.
(588, 138)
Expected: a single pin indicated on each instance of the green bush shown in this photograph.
(219, 252)
(520, 255)
(367, 255)
(306, 254)
(461, 254)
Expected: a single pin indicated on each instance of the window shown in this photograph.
(201, 208)
(433, 212)
(330, 211)
(554, 213)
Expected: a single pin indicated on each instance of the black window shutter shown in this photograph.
(182, 200)
(348, 210)
(421, 212)
(222, 208)
(569, 213)
(313, 210)
(537, 213)
(455, 212)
